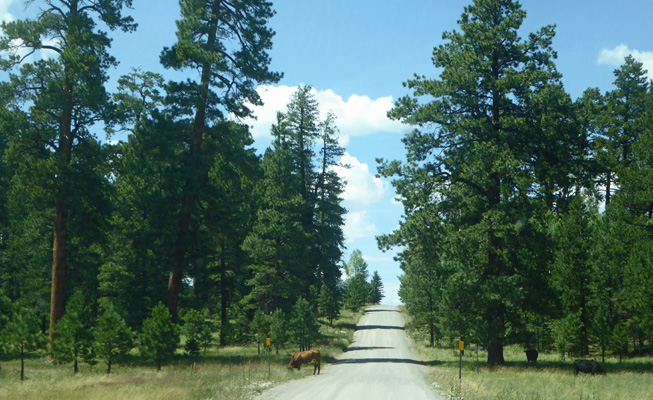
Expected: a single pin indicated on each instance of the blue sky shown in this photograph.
(357, 53)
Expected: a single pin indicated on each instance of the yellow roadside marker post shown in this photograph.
(461, 347)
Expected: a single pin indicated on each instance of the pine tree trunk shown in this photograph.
(60, 241)
(495, 313)
(22, 361)
(58, 288)
(223, 297)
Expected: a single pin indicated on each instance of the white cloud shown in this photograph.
(361, 191)
(358, 225)
(356, 116)
(617, 55)
(5, 15)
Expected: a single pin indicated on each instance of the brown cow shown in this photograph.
(306, 357)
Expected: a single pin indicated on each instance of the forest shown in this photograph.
(528, 215)
(182, 229)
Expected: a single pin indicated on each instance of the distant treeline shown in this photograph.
(528, 215)
(184, 214)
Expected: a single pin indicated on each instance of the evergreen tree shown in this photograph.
(329, 213)
(376, 288)
(113, 339)
(623, 150)
(572, 273)
(622, 122)
(23, 334)
(73, 333)
(305, 327)
(67, 97)
(159, 337)
(503, 124)
(195, 329)
(328, 303)
(279, 334)
(300, 212)
(302, 123)
(278, 245)
(260, 329)
(421, 291)
(356, 293)
(133, 275)
(422, 286)
(357, 289)
(227, 43)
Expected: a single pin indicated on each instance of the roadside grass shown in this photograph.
(219, 373)
(552, 378)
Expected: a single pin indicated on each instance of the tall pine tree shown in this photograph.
(227, 44)
(67, 97)
(484, 131)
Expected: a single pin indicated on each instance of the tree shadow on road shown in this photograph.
(357, 348)
(368, 327)
(379, 360)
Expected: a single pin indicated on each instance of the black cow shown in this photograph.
(531, 356)
(588, 367)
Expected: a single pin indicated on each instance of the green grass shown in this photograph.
(225, 373)
(552, 378)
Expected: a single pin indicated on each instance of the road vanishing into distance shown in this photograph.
(377, 365)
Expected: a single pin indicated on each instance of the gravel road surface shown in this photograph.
(377, 365)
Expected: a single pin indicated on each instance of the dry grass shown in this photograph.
(228, 373)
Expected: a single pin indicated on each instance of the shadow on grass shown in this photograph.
(345, 325)
(186, 361)
(548, 366)
(608, 366)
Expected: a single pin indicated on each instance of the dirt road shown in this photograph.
(378, 365)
